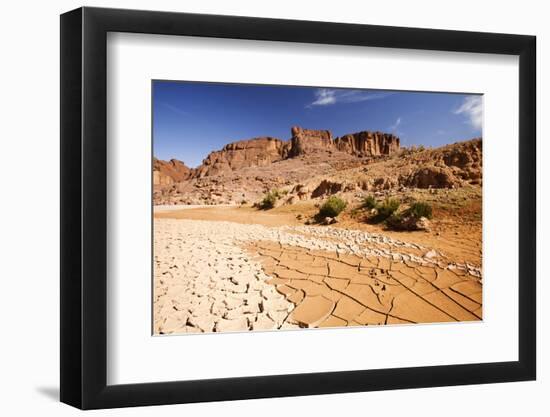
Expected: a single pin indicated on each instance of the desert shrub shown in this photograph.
(369, 202)
(421, 209)
(269, 200)
(395, 221)
(332, 207)
(278, 193)
(387, 208)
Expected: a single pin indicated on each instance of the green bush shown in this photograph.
(332, 207)
(369, 202)
(387, 208)
(421, 209)
(269, 200)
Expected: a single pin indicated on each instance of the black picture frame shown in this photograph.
(84, 207)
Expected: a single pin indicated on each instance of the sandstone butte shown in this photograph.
(263, 151)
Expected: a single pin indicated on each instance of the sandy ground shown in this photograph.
(237, 214)
(235, 269)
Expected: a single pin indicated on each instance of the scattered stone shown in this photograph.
(431, 254)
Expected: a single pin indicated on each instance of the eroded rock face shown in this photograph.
(368, 143)
(432, 177)
(465, 160)
(263, 151)
(169, 172)
(245, 153)
(327, 187)
(305, 141)
(362, 144)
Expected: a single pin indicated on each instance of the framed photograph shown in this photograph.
(257, 208)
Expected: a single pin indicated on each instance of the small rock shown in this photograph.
(431, 254)
(423, 224)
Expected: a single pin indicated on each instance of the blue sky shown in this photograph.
(192, 119)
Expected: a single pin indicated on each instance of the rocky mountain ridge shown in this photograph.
(263, 151)
(322, 171)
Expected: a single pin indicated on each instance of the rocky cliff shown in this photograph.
(263, 151)
(305, 141)
(245, 153)
(366, 143)
(323, 170)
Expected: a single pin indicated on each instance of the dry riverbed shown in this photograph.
(221, 269)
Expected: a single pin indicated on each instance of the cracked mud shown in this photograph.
(217, 276)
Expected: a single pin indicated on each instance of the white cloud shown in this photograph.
(329, 96)
(324, 96)
(472, 107)
(393, 128)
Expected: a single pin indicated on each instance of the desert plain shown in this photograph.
(223, 261)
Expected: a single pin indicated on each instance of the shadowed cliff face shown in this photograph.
(263, 151)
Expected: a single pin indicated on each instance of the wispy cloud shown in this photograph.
(330, 96)
(175, 109)
(395, 126)
(472, 107)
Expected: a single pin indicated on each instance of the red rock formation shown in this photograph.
(304, 141)
(362, 144)
(263, 151)
(430, 176)
(169, 172)
(245, 153)
(368, 143)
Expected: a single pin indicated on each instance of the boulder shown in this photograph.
(326, 188)
(301, 190)
(431, 176)
(408, 222)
